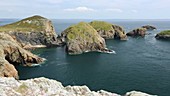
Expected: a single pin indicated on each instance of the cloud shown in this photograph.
(134, 11)
(80, 9)
(115, 10)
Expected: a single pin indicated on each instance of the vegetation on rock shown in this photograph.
(83, 38)
(108, 30)
(165, 35)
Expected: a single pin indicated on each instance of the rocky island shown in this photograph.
(82, 37)
(164, 35)
(149, 27)
(108, 30)
(137, 32)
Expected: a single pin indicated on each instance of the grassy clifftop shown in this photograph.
(101, 25)
(34, 23)
(166, 32)
(81, 30)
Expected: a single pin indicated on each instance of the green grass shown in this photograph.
(101, 25)
(81, 31)
(34, 23)
(166, 32)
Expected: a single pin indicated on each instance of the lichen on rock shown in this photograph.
(48, 87)
(108, 30)
(82, 38)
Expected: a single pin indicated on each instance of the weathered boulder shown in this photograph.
(164, 35)
(108, 30)
(149, 27)
(47, 87)
(137, 32)
(35, 31)
(82, 38)
(12, 53)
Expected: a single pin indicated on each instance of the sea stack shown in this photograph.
(82, 38)
(108, 30)
(137, 32)
(35, 31)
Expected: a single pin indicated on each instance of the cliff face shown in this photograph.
(35, 31)
(12, 53)
(108, 30)
(46, 87)
(82, 38)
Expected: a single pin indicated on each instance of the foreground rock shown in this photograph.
(149, 27)
(164, 35)
(12, 53)
(137, 32)
(82, 38)
(46, 87)
(108, 30)
(35, 31)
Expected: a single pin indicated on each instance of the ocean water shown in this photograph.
(141, 64)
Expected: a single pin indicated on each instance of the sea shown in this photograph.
(141, 64)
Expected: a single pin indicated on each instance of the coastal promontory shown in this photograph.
(82, 37)
(11, 53)
(35, 31)
(108, 30)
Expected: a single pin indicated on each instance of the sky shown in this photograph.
(86, 9)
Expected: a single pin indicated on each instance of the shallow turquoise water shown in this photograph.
(141, 64)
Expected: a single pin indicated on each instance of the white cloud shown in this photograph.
(115, 10)
(134, 11)
(80, 9)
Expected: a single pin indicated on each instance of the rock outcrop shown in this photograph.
(46, 87)
(149, 27)
(108, 30)
(164, 35)
(82, 38)
(12, 53)
(137, 32)
(35, 31)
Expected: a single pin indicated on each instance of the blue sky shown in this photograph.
(86, 9)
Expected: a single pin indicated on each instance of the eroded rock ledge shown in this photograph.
(11, 53)
(47, 87)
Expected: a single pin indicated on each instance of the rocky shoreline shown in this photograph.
(37, 32)
(48, 87)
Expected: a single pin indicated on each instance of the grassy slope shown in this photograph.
(29, 24)
(166, 32)
(81, 31)
(101, 25)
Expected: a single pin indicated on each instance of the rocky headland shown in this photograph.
(164, 35)
(32, 32)
(11, 53)
(82, 37)
(108, 30)
(47, 87)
